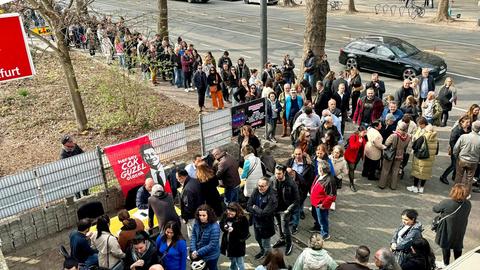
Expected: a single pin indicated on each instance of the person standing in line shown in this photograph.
(273, 113)
(288, 199)
(262, 205)
(457, 131)
(205, 240)
(227, 173)
(214, 82)
(373, 151)
(355, 85)
(421, 258)
(235, 227)
(467, 153)
(451, 232)
(426, 85)
(322, 194)
(161, 206)
(208, 186)
(190, 199)
(200, 83)
(172, 247)
(109, 251)
(422, 168)
(314, 256)
(309, 68)
(355, 152)
(385, 260)
(368, 109)
(377, 85)
(447, 97)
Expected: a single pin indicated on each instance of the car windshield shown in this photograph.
(403, 49)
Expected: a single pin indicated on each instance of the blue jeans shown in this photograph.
(211, 264)
(231, 195)
(310, 78)
(236, 263)
(264, 243)
(178, 77)
(296, 216)
(322, 216)
(90, 261)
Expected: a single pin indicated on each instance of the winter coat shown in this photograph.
(253, 141)
(323, 191)
(374, 146)
(263, 213)
(415, 262)
(288, 197)
(227, 171)
(320, 101)
(164, 210)
(452, 230)
(288, 106)
(355, 148)
(404, 241)
(323, 69)
(319, 258)
(233, 243)
(340, 166)
(190, 198)
(200, 80)
(445, 95)
(308, 174)
(211, 195)
(252, 171)
(176, 258)
(186, 63)
(128, 231)
(400, 142)
(422, 168)
(109, 251)
(205, 240)
(278, 107)
(375, 112)
(150, 257)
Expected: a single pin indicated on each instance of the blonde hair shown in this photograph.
(458, 192)
(204, 172)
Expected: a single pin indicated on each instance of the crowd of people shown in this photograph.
(389, 131)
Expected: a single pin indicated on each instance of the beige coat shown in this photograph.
(374, 146)
(422, 168)
(115, 253)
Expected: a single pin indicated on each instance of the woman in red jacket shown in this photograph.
(354, 152)
(322, 194)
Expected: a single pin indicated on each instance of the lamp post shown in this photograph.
(263, 33)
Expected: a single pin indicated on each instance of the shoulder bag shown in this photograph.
(118, 266)
(390, 152)
(164, 254)
(439, 219)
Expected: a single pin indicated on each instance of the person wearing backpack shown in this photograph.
(314, 257)
(425, 147)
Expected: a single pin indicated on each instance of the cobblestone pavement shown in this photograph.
(367, 217)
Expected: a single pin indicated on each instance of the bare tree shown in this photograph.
(59, 17)
(351, 7)
(442, 12)
(315, 28)
(162, 23)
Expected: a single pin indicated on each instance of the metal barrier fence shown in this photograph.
(61, 179)
(216, 130)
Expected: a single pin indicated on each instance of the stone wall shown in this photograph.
(25, 228)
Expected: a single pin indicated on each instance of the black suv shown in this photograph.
(390, 56)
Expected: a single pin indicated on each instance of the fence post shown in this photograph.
(202, 142)
(3, 263)
(39, 189)
(102, 168)
(266, 123)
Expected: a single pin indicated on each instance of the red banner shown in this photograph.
(15, 59)
(128, 164)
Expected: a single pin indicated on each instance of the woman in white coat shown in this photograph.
(252, 170)
(373, 150)
(109, 251)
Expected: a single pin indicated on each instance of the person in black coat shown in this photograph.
(200, 82)
(323, 67)
(377, 85)
(451, 230)
(235, 227)
(262, 205)
(239, 95)
(208, 187)
(247, 137)
(191, 197)
(142, 253)
(421, 257)
(321, 100)
(161, 203)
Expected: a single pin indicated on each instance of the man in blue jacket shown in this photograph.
(79, 244)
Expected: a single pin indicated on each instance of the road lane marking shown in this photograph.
(434, 51)
(464, 76)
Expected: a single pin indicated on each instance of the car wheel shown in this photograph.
(351, 63)
(409, 73)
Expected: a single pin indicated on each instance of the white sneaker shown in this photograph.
(186, 90)
(413, 189)
(420, 190)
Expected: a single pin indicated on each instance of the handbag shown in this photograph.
(420, 148)
(118, 266)
(439, 219)
(390, 152)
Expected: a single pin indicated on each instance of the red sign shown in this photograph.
(128, 164)
(15, 59)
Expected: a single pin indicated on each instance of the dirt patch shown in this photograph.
(35, 113)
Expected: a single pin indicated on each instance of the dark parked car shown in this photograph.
(390, 56)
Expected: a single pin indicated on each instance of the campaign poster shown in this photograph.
(252, 113)
(127, 163)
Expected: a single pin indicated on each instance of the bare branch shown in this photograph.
(46, 41)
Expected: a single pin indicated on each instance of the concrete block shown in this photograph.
(71, 215)
(61, 216)
(30, 233)
(7, 242)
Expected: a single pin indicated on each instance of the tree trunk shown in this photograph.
(162, 23)
(315, 29)
(351, 7)
(66, 62)
(442, 11)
